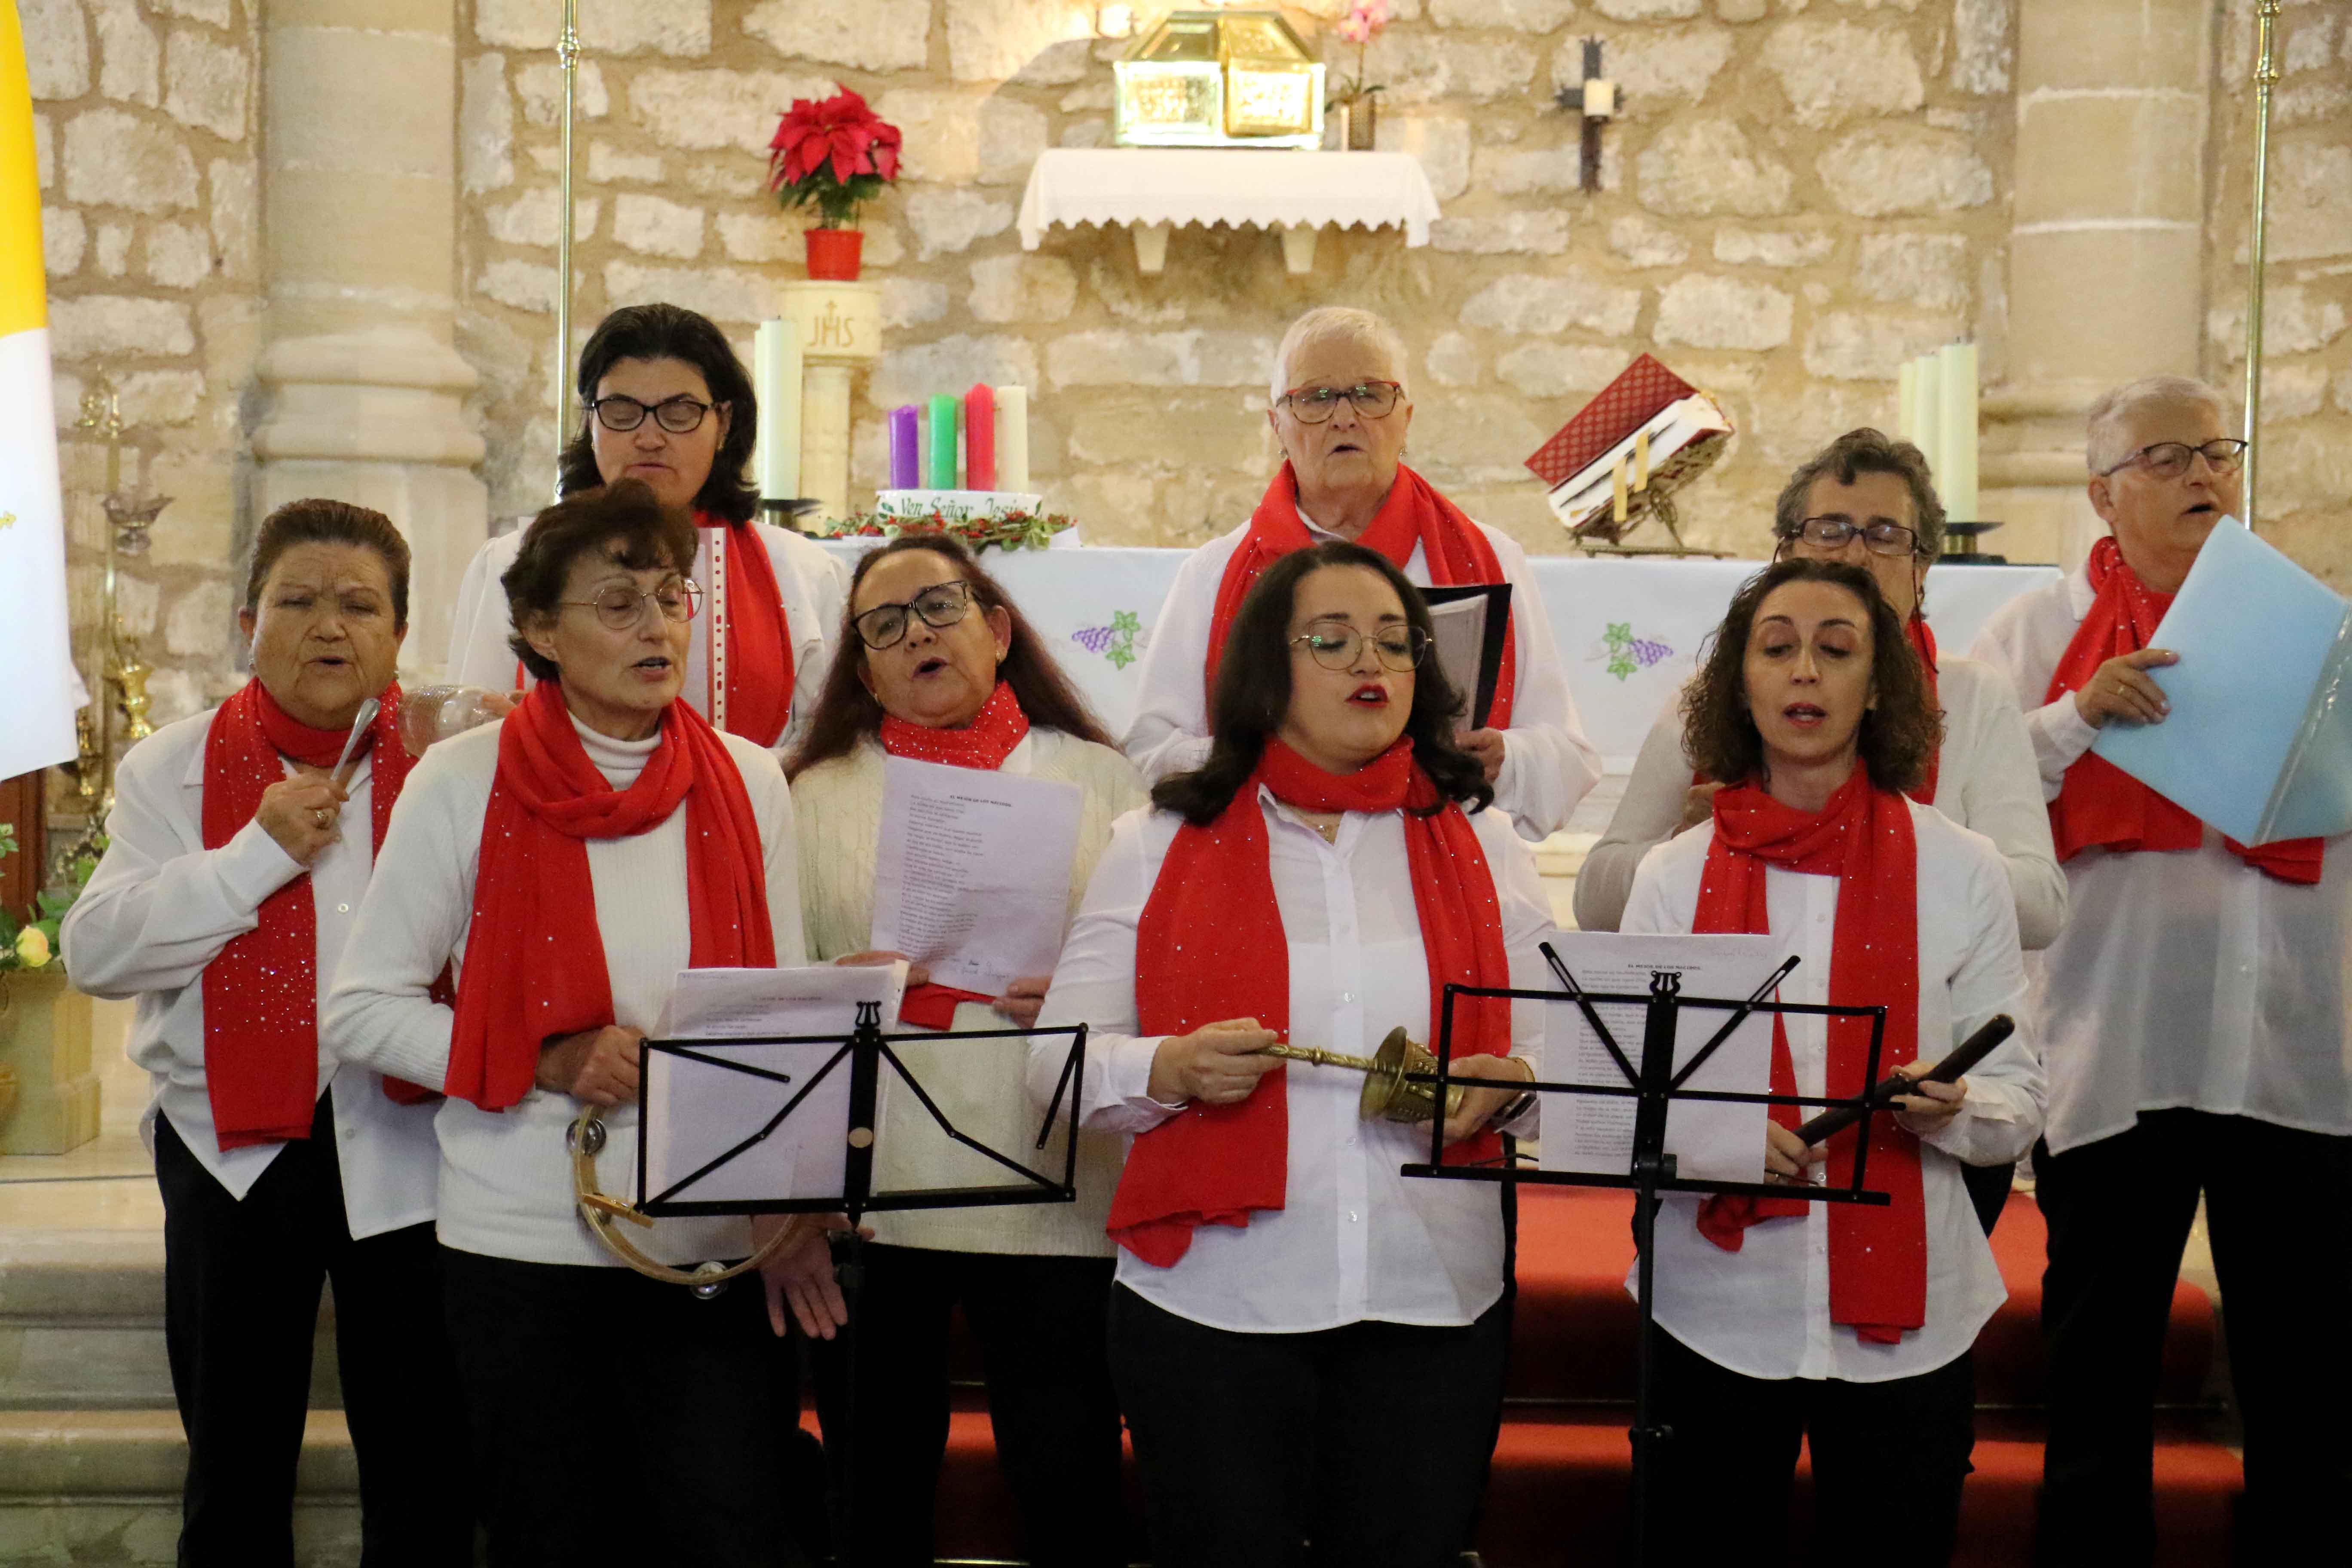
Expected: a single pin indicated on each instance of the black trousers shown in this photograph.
(1888, 1460)
(619, 1419)
(2120, 1212)
(1039, 1322)
(1360, 1446)
(1987, 1187)
(241, 1285)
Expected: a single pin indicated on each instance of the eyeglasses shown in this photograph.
(2171, 459)
(678, 415)
(1337, 648)
(1316, 404)
(941, 605)
(1880, 537)
(620, 608)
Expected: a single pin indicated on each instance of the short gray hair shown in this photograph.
(2112, 415)
(1345, 323)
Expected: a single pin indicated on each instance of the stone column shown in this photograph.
(2106, 260)
(364, 389)
(840, 327)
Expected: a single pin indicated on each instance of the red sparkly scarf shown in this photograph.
(1211, 946)
(535, 963)
(1453, 547)
(756, 651)
(984, 743)
(261, 993)
(1878, 1257)
(2099, 804)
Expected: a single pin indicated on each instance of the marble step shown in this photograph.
(81, 1325)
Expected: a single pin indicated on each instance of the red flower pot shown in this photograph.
(833, 253)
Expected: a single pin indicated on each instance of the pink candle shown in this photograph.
(980, 440)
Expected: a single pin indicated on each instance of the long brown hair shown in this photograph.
(846, 712)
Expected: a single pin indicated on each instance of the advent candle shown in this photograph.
(1956, 482)
(906, 444)
(1907, 402)
(1928, 411)
(980, 440)
(776, 355)
(1013, 439)
(940, 465)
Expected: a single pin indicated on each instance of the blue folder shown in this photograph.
(2259, 741)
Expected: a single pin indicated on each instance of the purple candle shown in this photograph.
(904, 446)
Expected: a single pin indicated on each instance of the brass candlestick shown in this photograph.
(1390, 1092)
(119, 676)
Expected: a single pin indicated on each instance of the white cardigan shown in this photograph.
(813, 584)
(505, 1178)
(837, 811)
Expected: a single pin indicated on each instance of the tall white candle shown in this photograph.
(1907, 402)
(1956, 481)
(1927, 414)
(776, 353)
(1013, 439)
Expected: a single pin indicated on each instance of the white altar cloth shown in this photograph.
(1629, 629)
(1149, 186)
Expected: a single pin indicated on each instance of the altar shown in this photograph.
(1629, 628)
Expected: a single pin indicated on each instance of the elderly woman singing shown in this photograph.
(223, 905)
(1294, 1324)
(566, 863)
(1341, 409)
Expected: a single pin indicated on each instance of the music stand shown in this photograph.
(862, 1054)
(1654, 1083)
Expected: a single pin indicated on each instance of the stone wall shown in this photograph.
(145, 118)
(1797, 198)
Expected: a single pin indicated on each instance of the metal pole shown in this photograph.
(2266, 75)
(567, 52)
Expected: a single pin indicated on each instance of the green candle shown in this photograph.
(940, 450)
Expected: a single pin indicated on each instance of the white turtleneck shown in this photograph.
(506, 1180)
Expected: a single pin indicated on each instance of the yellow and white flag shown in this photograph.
(38, 691)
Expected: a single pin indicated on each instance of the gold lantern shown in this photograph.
(1220, 78)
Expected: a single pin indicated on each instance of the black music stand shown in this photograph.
(862, 1054)
(1654, 1083)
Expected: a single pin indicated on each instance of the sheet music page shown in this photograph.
(973, 877)
(1458, 632)
(695, 1111)
(1710, 1141)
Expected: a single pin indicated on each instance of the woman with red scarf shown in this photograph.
(223, 905)
(1869, 501)
(1297, 1331)
(564, 866)
(665, 401)
(941, 666)
(1845, 1325)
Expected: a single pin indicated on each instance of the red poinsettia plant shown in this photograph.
(837, 153)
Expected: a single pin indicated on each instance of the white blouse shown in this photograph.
(1986, 780)
(506, 1177)
(1764, 1311)
(2184, 978)
(980, 1084)
(161, 906)
(1355, 1240)
(813, 586)
(1548, 764)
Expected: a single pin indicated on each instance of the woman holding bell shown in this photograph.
(1292, 1319)
(939, 666)
(564, 865)
(240, 842)
(1846, 1325)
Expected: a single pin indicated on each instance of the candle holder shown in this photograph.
(120, 683)
(1960, 545)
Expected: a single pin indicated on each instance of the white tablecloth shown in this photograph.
(1239, 186)
(1629, 629)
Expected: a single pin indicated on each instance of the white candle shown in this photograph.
(1956, 481)
(1927, 416)
(1907, 402)
(1013, 439)
(776, 353)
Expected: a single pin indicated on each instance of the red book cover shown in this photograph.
(1645, 390)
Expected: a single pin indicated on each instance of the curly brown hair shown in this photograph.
(623, 520)
(1898, 735)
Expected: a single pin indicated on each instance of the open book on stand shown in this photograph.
(1625, 453)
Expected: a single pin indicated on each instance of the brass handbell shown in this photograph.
(1390, 1091)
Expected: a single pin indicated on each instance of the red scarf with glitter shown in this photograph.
(261, 993)
(1210, 946)
(2099, 804)
(1878, 1257)
(535, 963)
(983, 743)
(757, 648)
(1455, 549)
